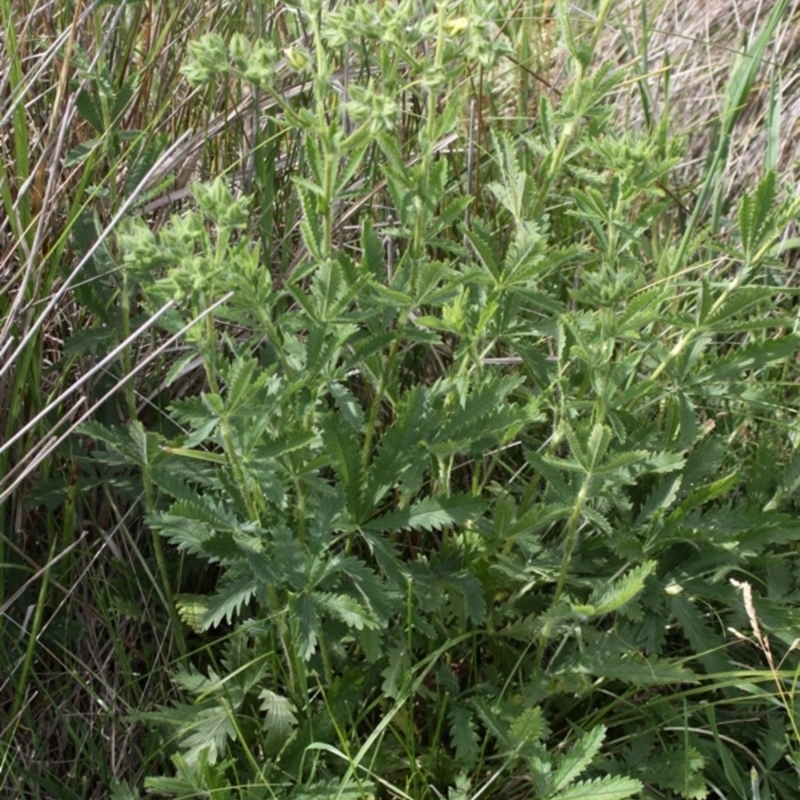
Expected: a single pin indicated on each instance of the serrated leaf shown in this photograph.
(188, 536)
(280, 719)
(705, 494)
(240, 383)
(287, 442)
(400, 449)
(578, 758)
(485, 247)
(205, 511)
(348, 406)
(740, 300)
(307, 619)
(463, 735)
(227, 602)
(495, 427)
(528, 727)
(611, 597)
(429, 514)
(453, 210)
(484, 413)
(756, 212)
(279, 708)
(198, 455)
(373, 257)
(581, 460)
(207, 734)
(130, 442)
(195, 682)
(192, 780)
(345, 608)
(309, 221)
(373, 590)
(754, 356)
(524, 258)
(640, 671)
(679, 769)
(396, 671)
(170, 483)
(191, 610)
(607, 788)
(470, 591)
(344, 448)
(515, 190)
(599, 439)
(147, 151)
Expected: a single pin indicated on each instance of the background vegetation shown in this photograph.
(398, 400)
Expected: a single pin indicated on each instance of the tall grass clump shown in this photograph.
(96, 123)
(444, 450)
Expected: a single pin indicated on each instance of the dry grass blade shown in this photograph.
(701, 41)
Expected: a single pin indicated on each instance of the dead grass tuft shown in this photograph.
(701, 41)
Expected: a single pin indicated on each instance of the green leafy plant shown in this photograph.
(395, 516)
(468, 443)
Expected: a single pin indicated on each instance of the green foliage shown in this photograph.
(374, 487)
(453, 490)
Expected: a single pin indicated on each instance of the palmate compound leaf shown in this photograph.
(399, 452)
(464, 591)
(484, 412)
(121, 448)
(516, 189)
(756, 212)
(197, 683)
(679, 769)
(208, 732)
(191, 780)
(525, 258)
(486, 247)
(607, 788)
(365, 582)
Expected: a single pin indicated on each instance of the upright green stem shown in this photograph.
(572, 536)
(569, 548)
(417, 247)
(421, 221)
